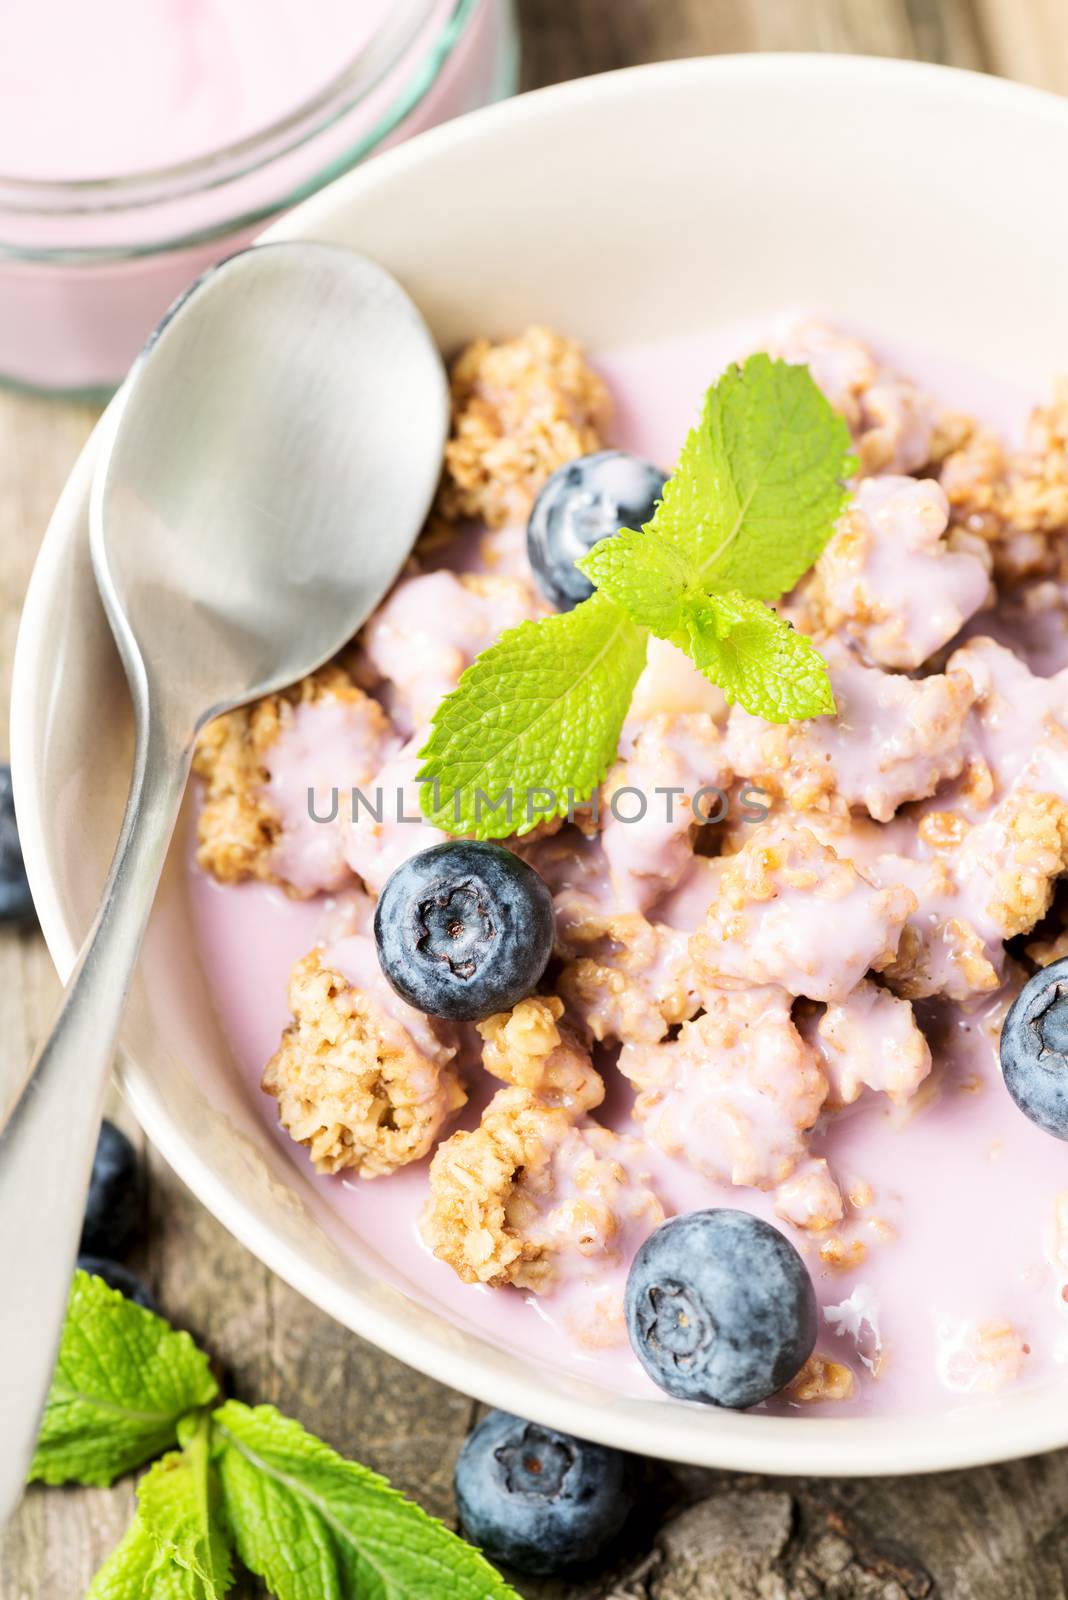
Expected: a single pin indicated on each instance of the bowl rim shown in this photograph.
(961, 1437)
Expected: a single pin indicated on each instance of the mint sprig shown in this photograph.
(123, 1381)
(534, 723)
(247, 1480)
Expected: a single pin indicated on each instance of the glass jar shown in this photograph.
(88, 266)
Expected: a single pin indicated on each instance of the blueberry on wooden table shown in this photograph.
(582, 503)
(541, 1501)
(464, 929)
(1034, 1049)
(16, 902)
(720, 1308)
(116, 1276)
(113, 1205)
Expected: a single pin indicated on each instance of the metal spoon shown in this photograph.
(263, 473)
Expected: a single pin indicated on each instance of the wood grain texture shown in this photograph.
(1027, 39)
(996, 1534)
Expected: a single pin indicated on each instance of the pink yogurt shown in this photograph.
(954, 1193)
(186, 124)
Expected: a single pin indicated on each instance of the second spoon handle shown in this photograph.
(49, 1131)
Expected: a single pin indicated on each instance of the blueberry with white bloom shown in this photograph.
(1034, 1049)
(464, 929)
(582, 503)
(720, 1308)
(538, 1500)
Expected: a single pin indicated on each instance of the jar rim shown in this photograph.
(376, 57)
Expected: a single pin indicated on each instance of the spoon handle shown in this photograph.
(48, 1131)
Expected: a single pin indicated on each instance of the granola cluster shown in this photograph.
(891, 581)
(735, 1093)
(773, 899)
(257, 764)
(361, 1080)
(1017, 500)
(520, 410)
(538, 1192)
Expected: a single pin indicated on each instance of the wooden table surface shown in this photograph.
(994, 1534)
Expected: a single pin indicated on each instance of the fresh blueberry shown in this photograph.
(1034, 1049)
(116, 1276)
(464, 929)
(538, 1500)
(720, 1308)
(113, 1206)
(16, 903)
(582, 503)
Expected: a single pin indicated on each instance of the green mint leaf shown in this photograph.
(644, 574)
(541, 709)
(756, 658)
(759, 482)
(137, 1569)
(314, 1526)
(179, 1505)
(123, 1381)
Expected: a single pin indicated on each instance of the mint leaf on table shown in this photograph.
(123, 1381)
(758, 488)
(760, 481)
(314, 1526)
(178, 1502)
(540, 709)
(757, 658)
(138, 1569)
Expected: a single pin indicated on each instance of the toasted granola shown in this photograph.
(527, 1047)
(821, 1379)
(258, 763)
(624, 978)
(892, 581)
(810, 1197)
(530, 1196)
(736, 1093)
(1017, 500)
(894, 739)
(361, 1080)
(776, 896)
(520, 409)
(871, 1040)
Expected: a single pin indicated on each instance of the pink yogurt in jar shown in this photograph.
(141, 140)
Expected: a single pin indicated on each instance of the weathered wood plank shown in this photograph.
(1027, 39)
(564, 39)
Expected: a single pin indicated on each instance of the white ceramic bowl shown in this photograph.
(921, 201)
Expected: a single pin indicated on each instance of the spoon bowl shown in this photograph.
(256, 496)
(263, 474)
